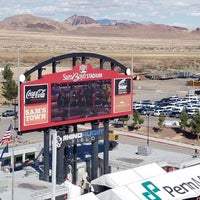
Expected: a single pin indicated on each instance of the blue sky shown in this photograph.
(184, 13)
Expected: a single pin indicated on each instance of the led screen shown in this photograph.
(80, 100)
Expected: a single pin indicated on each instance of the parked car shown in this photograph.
(175, 114)
(157, 113)
(147, 111)
(166, 113)
(8, 113)
(137, 106)
(191, 112)
(173, 98)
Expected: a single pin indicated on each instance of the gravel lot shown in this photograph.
(158, 89)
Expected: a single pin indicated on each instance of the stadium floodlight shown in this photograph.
(22, 78)
(128, 71)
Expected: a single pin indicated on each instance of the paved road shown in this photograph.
(136, 141)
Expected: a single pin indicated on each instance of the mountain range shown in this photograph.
(86, 26)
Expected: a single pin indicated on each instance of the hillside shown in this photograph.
(30, 23)
(78, 20)
(154, 46)
(86, 26)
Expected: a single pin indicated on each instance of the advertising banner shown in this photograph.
(36, 106)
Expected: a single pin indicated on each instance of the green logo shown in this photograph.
(151, 191)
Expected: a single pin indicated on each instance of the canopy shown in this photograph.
(150, 170)
(125, 177)
(117, 179)
(151, 182)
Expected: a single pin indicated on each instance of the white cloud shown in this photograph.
(196, 14)
(155, 13)
(166, 11)
(181, 4)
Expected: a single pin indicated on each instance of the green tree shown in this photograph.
(184, 120)
(137, 120)
(10, 87)
(124, 119)
(161, 120)
(7, 72)
(195, 125)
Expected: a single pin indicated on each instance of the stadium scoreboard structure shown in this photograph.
(75, 96)
(57, 103)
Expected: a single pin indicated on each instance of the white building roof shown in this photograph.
(128, 176)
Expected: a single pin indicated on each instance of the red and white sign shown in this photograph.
(75, 96)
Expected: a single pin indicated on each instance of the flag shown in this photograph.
(5, 150)
(7, 136)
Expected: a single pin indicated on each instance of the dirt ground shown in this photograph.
(157, 89)
(167, 133)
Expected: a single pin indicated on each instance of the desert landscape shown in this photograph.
(27, 40)
(147, 51)
(143, 54)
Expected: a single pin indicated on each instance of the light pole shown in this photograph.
(148, 129)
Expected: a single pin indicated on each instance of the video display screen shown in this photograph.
(80, 100)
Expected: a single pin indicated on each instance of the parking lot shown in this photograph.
(168, 97)
(157, 89)
(170, 106)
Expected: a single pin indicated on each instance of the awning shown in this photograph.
(150, 170)
(125, 177)
(117, 179)
(146, 183)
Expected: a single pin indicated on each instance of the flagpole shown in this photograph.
(13, 139)
(13, 166)
(13, 163)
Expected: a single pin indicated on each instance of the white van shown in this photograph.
(137, 106)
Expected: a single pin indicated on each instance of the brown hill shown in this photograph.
(197, 30)
(29, 22)
(86, 26)
(130, 30)
(77, 20)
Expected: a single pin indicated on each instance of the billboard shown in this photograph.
(79, 95)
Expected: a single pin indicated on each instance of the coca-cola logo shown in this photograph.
(38, 94)
(35, 94)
